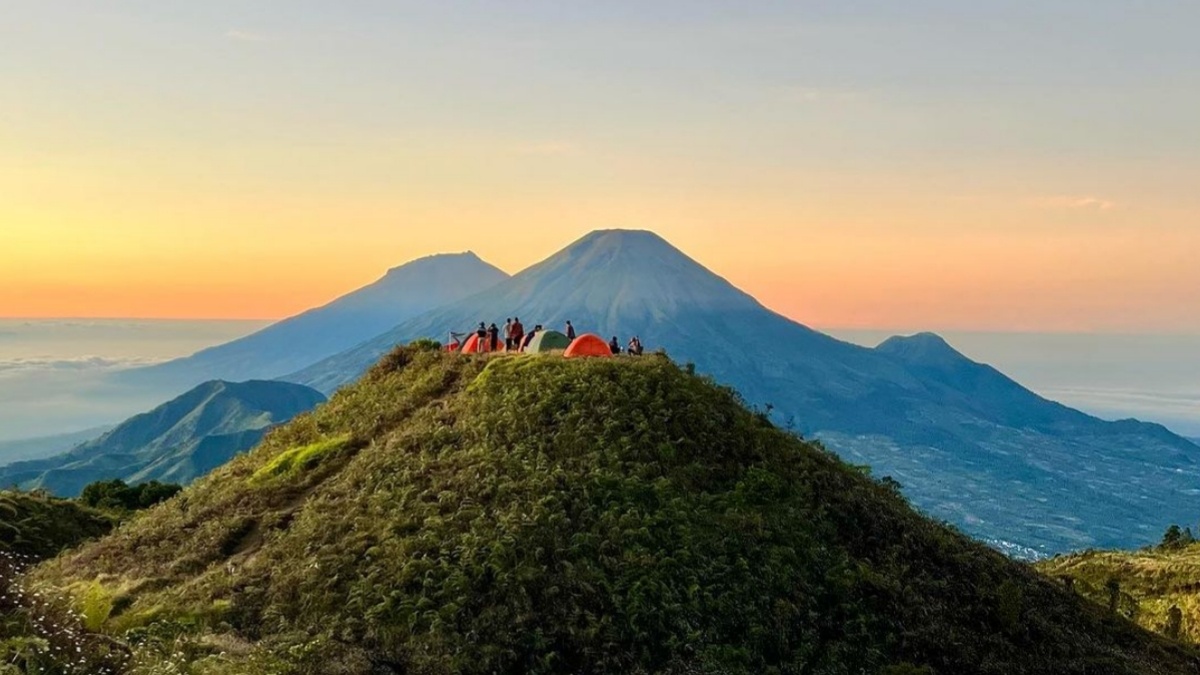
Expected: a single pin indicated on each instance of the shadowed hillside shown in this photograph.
(35, 526)
(450, 514)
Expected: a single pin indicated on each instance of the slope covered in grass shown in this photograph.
(38, 526)
(1148, 584)
(450, 514)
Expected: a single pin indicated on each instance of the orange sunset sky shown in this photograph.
(849, 169)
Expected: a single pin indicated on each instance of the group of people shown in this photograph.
(634, 348)
(516, 339)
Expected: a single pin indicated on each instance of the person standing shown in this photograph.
(518, 332)
(508, 334)
(570, 331)
(481, 338)
(493, 338)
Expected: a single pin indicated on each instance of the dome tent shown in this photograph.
(471, 346)
(547, 341)
(588, 344)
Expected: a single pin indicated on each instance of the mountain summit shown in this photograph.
(971, 445)
(301, 340)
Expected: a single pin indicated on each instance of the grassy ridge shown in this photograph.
(1148, 584)
(460, 515)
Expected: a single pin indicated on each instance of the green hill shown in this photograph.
(1149, 583)
(37, 526)
(532, 514)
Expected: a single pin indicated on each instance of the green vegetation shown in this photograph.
(35, 525)
(524, 514)
(115, 495)
(303, 458)
(1154, 587)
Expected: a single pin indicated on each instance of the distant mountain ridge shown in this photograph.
(293, 343)
(176, 442)
(24, 449)
(969, 444)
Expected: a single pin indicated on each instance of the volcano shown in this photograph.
(970, 445)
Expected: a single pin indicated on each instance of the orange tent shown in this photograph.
(588, 344)
(471, 346)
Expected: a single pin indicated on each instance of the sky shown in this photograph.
(1011, 166)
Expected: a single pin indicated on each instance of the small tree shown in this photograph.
(1172, 538)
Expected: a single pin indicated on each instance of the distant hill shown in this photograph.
(1149, 582)
(45, 446)
(969, 445)
(35, 526)
(450, 514)
(176, 442)
(294, 343)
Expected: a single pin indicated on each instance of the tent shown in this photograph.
(471, 346)
(588, 344)
(547, 341)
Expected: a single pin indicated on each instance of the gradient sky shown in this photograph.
(931, 163)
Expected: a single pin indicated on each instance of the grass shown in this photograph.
(1151, 582)
(541, 515)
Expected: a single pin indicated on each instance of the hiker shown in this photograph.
(570, 331)
(481, 338)
(614, 345)
(532, 334)
(493, 338)
(508, 345)
(635, 346)
(518, 333)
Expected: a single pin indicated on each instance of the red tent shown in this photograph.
(588, 344)
(471, 346)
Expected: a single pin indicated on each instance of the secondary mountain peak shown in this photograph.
(928, 349)
(402, 293)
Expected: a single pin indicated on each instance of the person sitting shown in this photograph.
(614, 345)
(493, 338)
(635, 346)
(570, 331)
(481, 338)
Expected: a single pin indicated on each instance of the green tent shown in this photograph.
(547, 341)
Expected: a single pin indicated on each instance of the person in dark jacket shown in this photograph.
(614, 345)
(570, 331)
(493, 338)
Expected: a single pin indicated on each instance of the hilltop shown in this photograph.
(1149, 583)
(968, 444)
(176, 442)
(293, 343)
(450, 514)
